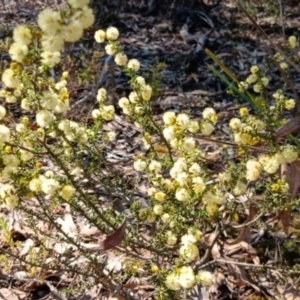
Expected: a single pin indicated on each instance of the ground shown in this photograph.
(168, 38)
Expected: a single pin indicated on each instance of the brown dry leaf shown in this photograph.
(247, 249)
(114, 239)
(291, 126)
(107, 295)
(9, 294)
(292, 176)
(246, 229)
(288, 292)
(243, 276)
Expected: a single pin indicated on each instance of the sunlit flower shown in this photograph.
(4, 134)
(284, 66)
(49, 186)
(48, 20)
(172, 282)
(146, 92)
(7, 172)
(235, 124)
(25, 104)
(182, 194)
(253, 169)
(254, 69)
(195, 169)
(6, 190)
(10, 160)
(112, 33)
(243, 85)
(18, 52)
(205, 278)
(123, 102)
(252, 78)
(44, 118)
(165, 218)
(265, 81)
(169, 118)
(289, 104)
(188, 238)
(133, 64)
(140, 81)
(171, 238)
(198, 185)
(10, 79)
(183, 120)
(85, 16)
(289, 153)
(211, 209)
(22, 35)
(207, 128)
(151, 218)
(189, 252)
(189, 144)
(50, 58)
(121, 59)
(96, 113)
(182, 179)
(111, 135)
(100, 36)
(67, 192)
(169, 133)
(224, 177)
(139, 165)
(158, 209)
(49, 100)
(215, 197)
(155, 166)
(160, 196)
(196, 233)
(207, 112)
(110, 49)
(2, 112)
(292, 41)
(35, 185)
(193, 127)
(12, 201)
(186, 277)
(107, 112)
(240, 189)
(72, 32)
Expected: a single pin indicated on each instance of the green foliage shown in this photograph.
(154, 78)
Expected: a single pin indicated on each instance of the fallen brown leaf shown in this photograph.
(114, 239)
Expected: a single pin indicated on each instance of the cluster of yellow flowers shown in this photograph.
(247, 131)
(105, 112)
(259, 82)
(55, 31)
(176, 183)
(47, 99)
(292, 43)
(185, 278)
(282, 102)
(176, 126)
(270, 163)
(134, 103)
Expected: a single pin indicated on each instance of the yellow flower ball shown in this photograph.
(112, 33)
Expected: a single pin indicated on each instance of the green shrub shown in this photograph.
(54, 166)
